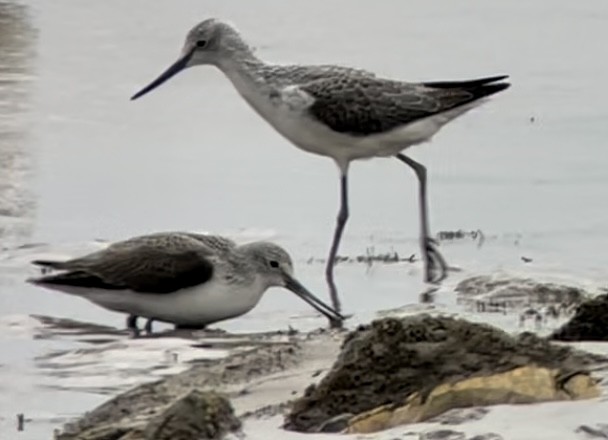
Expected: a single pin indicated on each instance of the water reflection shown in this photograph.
(17, 46)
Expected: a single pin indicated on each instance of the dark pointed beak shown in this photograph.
(173, 70)
(292, 284)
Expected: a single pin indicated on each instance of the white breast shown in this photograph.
(200, 305)
(285, 116)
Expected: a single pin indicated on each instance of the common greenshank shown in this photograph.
(339, 112)
(190, 280)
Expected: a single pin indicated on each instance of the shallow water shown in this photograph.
(79, 162)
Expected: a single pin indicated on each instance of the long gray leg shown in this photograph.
(434, 263)
(148, 326)
(333, 252)
(132, 324)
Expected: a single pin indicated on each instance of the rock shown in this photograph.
(384, 363)
(512, 292)
(589, 323)
(198, 415)
(130, 414)
(442, 434)
(266, 411)
(336, 424)
(522, 385)
(487, 436)
(458, 416)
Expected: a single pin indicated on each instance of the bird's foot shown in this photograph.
(336, 323)
(435, 267)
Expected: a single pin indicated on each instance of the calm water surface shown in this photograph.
(79, 161)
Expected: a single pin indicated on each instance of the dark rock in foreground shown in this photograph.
(198, 415)
(172, 407)
(590, 322)
(385, 362)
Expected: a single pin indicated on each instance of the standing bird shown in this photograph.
(190, 280)
(339, 112)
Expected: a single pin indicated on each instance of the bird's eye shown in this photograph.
(274, 264)
(201, 43)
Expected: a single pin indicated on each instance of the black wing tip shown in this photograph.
(498, 86)
(44, 280)
(491, 89)
(470, 84)
(46, 263)
(76, 279)
(37, 281)
(493, 79)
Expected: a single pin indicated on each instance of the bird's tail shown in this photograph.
(51, 264)
(480, 87)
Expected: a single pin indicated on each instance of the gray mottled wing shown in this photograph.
(215, 242)
(176, 238)
(161, 239)
(365, 105)
(151, 264)
(167, 241)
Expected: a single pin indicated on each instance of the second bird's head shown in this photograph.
(209, 42)
(275, 267)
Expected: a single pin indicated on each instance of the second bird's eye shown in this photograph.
(274, 264)
(201, 43)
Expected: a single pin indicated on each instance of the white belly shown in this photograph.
(200, 305)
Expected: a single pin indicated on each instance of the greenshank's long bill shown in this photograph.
(339, 112)
(187, 279)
